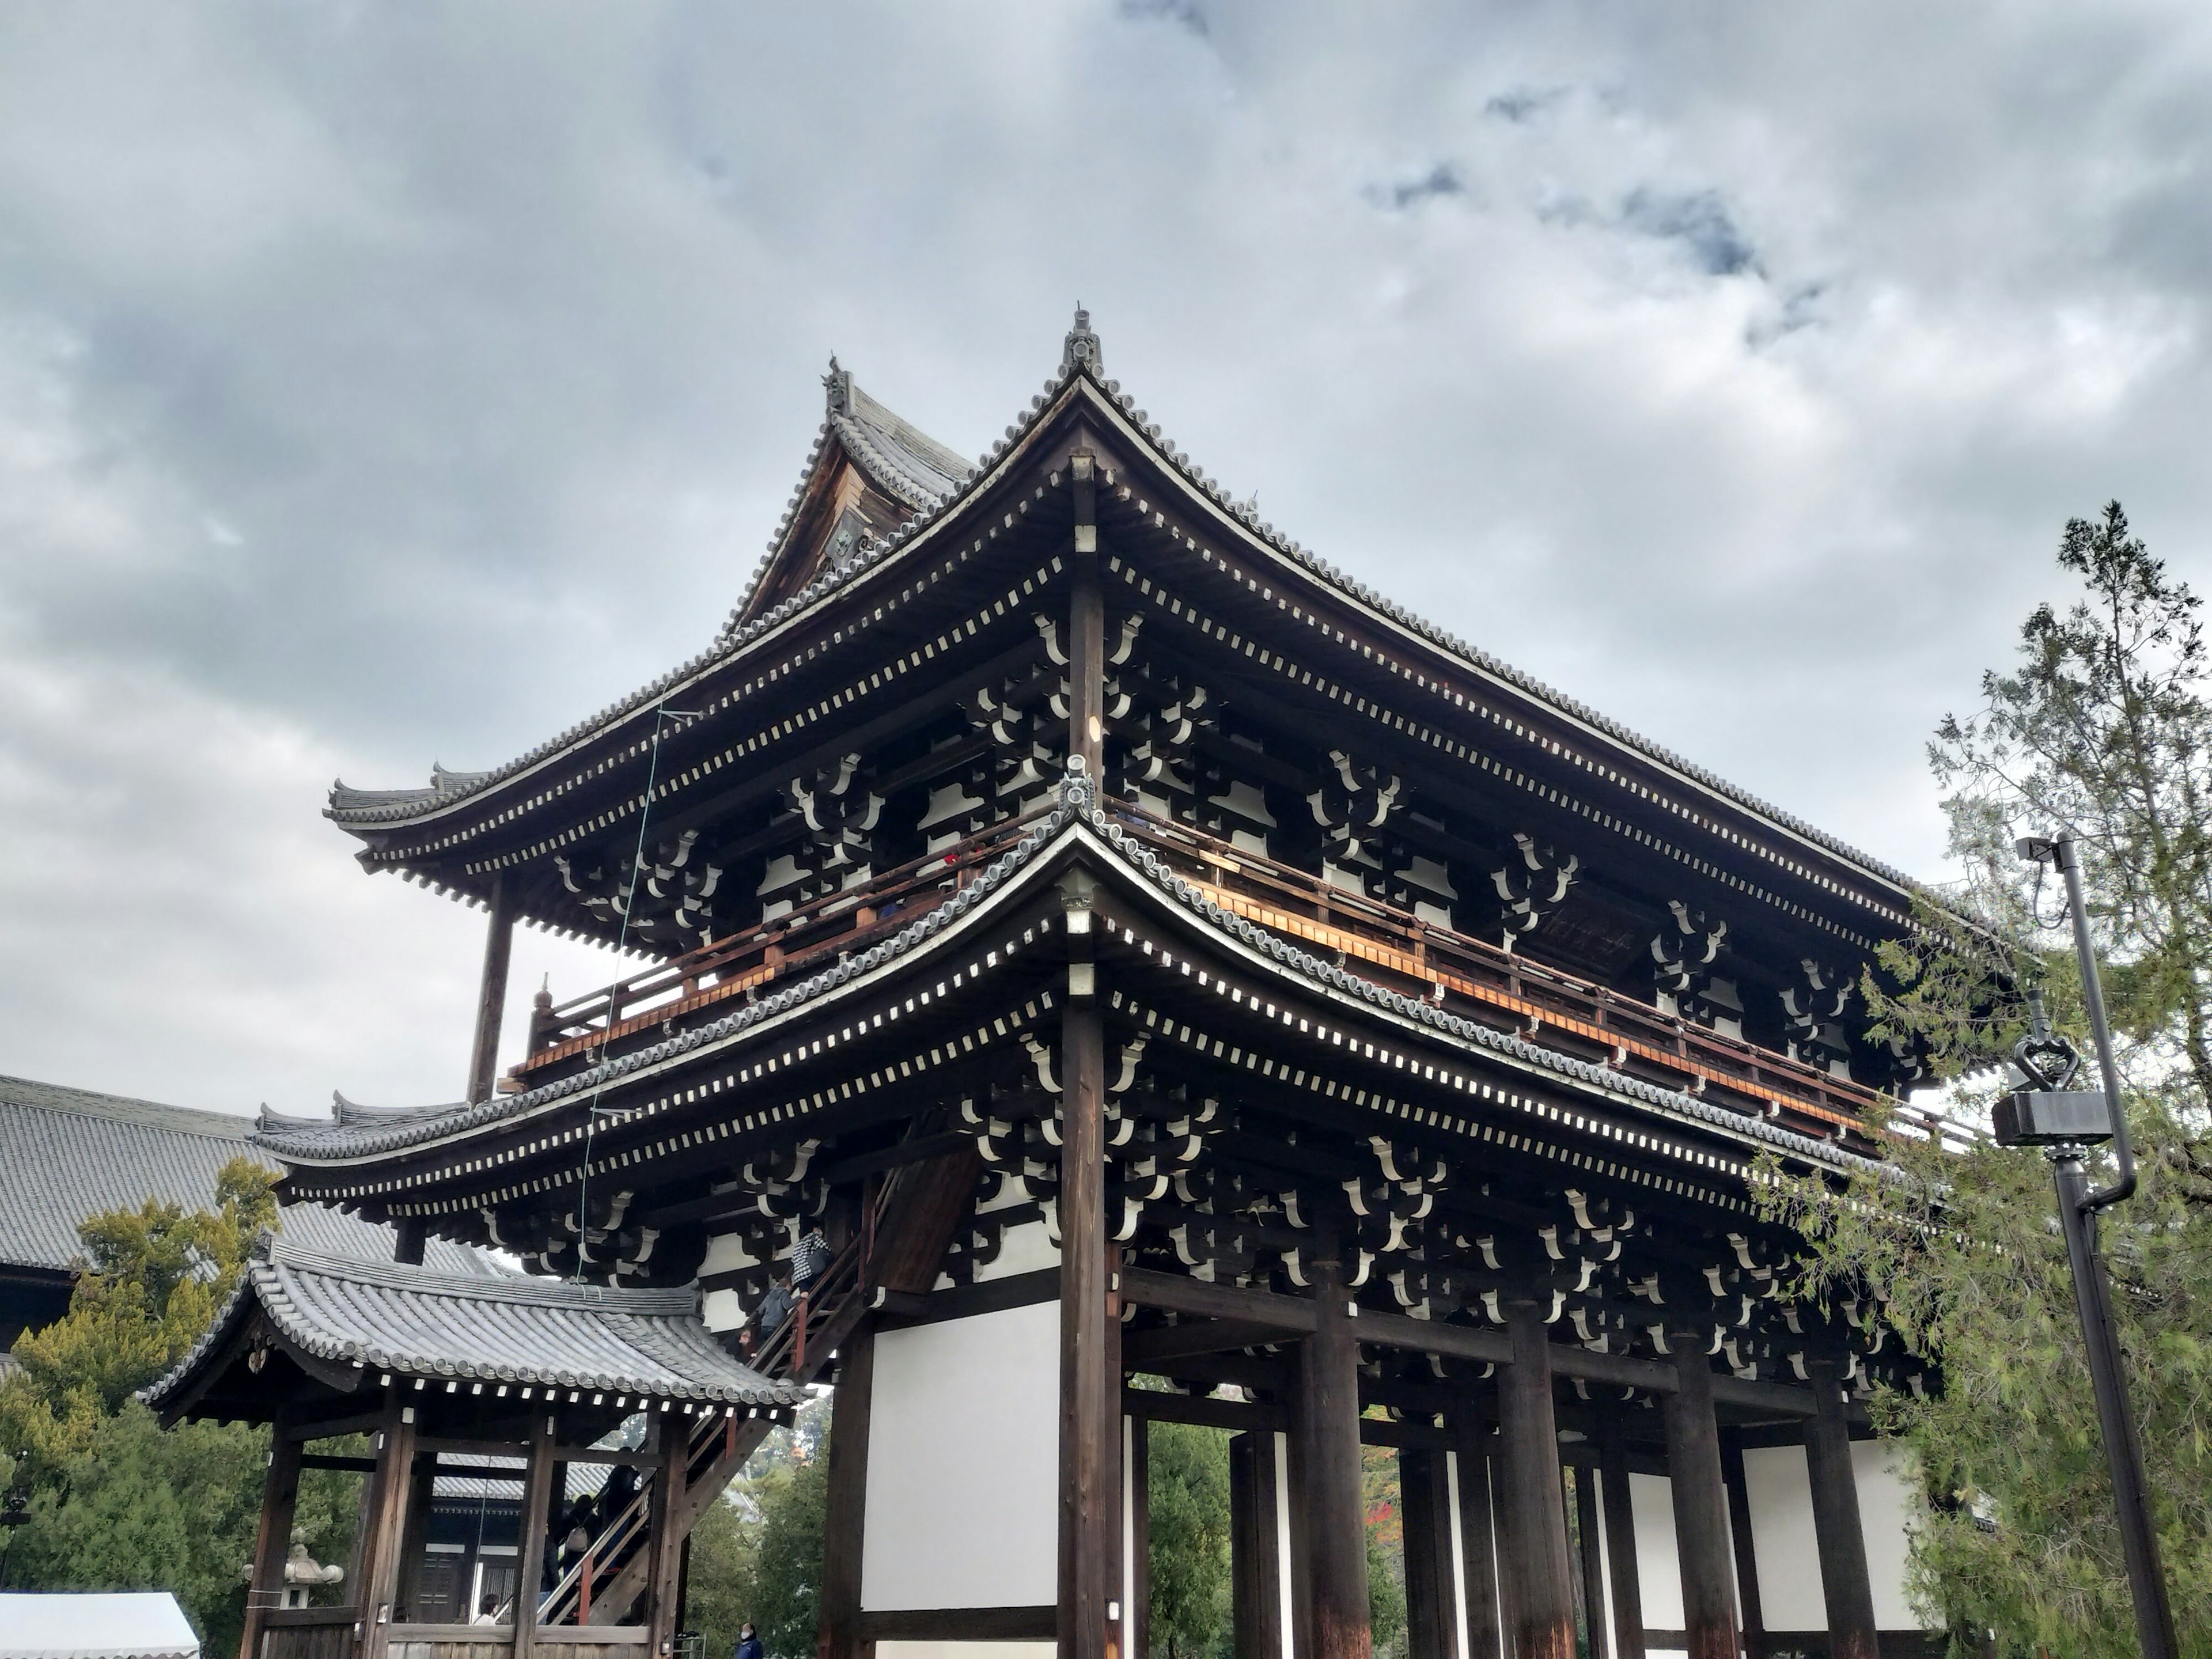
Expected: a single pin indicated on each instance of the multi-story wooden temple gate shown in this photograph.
(1178, 984)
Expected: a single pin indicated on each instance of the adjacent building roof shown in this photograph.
(137, 1625)
(67, 1155)
(387, 1319)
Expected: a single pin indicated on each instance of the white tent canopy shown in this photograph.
(140, 1625)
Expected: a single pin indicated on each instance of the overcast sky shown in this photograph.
(384, 384)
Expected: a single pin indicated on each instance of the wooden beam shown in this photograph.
(1478, 1545)
(664, 1513)
(1620, 1547)
(1256, 1600)
(897, 1155)
(387, 1527)
(1750, 1611)
(1540, 1579)
(537, 1501)
(1846, 1583)
(1392, 1330)
(1141, 1349)
(845, 1520)
(1701, 1542)
(1158, 1405)
(1424, 1508)
(491, 990)
(1196, 1297)
(1335, 1500)
(1091, 1416)
(264, 1588)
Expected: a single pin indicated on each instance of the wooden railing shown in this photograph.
(705, 981)
(1480, 980)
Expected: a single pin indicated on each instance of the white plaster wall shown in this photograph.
(1887, 1502)
(963, 1462)
(1658, 1568)
(1790, 1591)
(1025, 1249)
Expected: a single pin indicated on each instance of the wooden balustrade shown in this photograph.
(1472, 977)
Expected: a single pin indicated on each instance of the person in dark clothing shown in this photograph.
(810, 1260)
(774, 1309)
(749, 1645)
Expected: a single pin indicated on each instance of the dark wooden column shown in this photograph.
(491, 990)
(1750, 1613)
(395, 1488)
(1542, 1598)
(664, 1510)
(409, 1234)
(1137, 1616)
(1334, 1500)
(1432, 1597)
(1090, 1391)
(1592, 1559)
(1701, 1520)
(1620, 1547)
(1256, 1558)
(406, 1600)
(1846, 1584)
(1086, 630)
(537, 1504)
(273, 1542)
(1478, 1543)
(844, 1528)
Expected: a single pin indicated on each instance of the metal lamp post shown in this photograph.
(2065, 1122)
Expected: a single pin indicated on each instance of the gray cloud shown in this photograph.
(379, 386)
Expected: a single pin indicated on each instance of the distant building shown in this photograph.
(68, 1154)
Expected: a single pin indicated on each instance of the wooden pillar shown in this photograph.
(1477, 1543)
(1086, 633)
(1137, 1613)
(1335, 1500)
(410, 1236)
(1089, 1381)
(1846, 1583)
(1750, 1613)
(1701, 1521)
(395, 1488)
(1542, 1596)
(491, 990)
(665, 1512)
(537, 1503)
(273, 1542)
(1620, 1547)
(1431, 1598)
(1255, 1553)
(844, 1528)
(1592, 1559)
(422, 1488)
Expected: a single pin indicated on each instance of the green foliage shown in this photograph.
(117, 1503)
(1383, 1501)
(152, 1279)
(758, 1554)
(2102, 723)
(1187, 1491)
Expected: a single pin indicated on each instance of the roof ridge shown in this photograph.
(536, 1290)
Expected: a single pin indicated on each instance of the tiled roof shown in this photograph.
(1077, 807)
(1085, 367)
(412, 1322)
(68, 1154)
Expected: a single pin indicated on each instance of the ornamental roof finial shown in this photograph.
(838, 383)
(1081, 349)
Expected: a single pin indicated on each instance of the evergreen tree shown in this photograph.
(1187, 1492)
(2103, 724)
